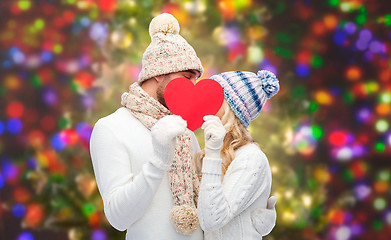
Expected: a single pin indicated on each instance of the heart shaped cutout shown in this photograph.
(193, 102)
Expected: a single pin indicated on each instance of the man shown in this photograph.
(131, 159)
(142, 155)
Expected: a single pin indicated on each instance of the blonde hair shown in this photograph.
(236, 137)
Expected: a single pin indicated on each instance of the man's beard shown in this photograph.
(160, 95)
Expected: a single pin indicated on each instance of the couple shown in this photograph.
(146, 162)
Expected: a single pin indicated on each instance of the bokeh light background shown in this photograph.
(65, 63)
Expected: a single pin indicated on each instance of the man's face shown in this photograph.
(190, 74)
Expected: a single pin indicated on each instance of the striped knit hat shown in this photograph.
(247, 92)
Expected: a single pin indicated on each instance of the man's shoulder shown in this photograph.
(120, 115)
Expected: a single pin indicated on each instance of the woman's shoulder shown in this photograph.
(251, 156)
(248, 158)
(249, 149)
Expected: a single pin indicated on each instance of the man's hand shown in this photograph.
(164, 134)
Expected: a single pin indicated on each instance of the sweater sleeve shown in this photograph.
(218, 202)
(125, 196)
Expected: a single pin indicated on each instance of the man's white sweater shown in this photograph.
(135, 193)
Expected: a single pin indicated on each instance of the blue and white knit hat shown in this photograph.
(247, 92)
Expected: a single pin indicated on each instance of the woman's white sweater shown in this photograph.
(136, 194)
(224, 208)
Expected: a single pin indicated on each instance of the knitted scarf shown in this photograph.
(183, 179)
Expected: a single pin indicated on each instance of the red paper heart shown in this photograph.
(193, 102)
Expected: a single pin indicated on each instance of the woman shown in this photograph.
(236, 177)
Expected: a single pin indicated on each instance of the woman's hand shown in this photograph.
(264, 219)
(214, 133)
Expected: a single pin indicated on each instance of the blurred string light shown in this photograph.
(353, 73)
(305, 138)
(227, 36)
(2, 128)
(98, 234)
(379, 204)
(350, 27)
(382, 125)
(255, 54)
(19, 210)
(17, 56)
(365, 36)
(14, 125)
(267, 65)
(323, 97)
(343, 233)
(362, 191)
(98, 31)
(121, 38)
(25, 236)
(195, 7)
(364, 114)
(307, 200)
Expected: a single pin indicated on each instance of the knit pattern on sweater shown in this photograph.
(247, 179)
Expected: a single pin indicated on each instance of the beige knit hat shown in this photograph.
(168, 52)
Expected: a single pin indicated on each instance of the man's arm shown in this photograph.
(125, 196)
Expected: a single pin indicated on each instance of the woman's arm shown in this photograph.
(218, 204)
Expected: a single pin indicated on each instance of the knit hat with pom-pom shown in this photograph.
(168, 52)
(247, 92)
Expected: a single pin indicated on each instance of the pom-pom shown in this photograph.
(124, 98)
(270, 83)
(185, 219)
(164, 23)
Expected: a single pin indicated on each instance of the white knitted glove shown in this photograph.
(264, 219)
(214, 133)
(164, 134)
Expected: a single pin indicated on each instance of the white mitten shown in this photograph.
(214, 133)
(264, 219)
(164, 134)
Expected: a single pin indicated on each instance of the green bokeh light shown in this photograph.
(387, 19)
(316, 61)
(361, 19)
(380, 147)
(348, 97)
(57, 48)
(36, 81)
(24, 4)
(379, 204)
(88, 209)
(334, 3)
(39, 23)
(64, 122)
(313, 106)
(284, 52)
(317, 132)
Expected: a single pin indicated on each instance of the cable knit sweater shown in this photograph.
(224, 208)
(136, 194)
